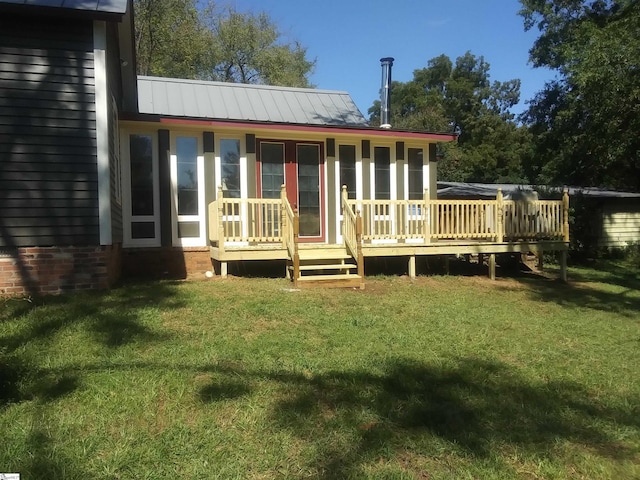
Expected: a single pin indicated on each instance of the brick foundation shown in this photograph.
(52, 270)
(165, 262)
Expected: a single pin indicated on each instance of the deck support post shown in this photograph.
(492, 266)
(223, 269)
(412, 266)
(563, 266)
(540, 260)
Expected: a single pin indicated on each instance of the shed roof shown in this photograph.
(241, 102)
(490, 190)
(98, 6)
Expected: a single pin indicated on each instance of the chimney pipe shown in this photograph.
(385, 92)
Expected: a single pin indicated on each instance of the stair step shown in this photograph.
(323, 254)
(335, 276)
(333, 266)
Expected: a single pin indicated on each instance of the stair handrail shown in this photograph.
(291, 233)
(349, 221)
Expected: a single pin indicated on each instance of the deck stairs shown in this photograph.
(329, 266)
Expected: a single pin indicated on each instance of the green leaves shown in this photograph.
(586, 123)
(461, 98)
(175, 38)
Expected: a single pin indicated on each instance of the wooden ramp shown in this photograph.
(328, 266)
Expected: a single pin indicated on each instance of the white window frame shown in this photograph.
(199, 241)
(127, 216)
(244, 184)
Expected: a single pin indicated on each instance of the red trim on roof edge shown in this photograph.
(442, 137)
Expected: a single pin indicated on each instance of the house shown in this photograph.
(103, 173)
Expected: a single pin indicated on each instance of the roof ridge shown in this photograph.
(241, 85)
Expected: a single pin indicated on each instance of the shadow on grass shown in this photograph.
(113, 319)
(475, 407)
(609, 288)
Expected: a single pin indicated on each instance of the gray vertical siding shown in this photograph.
(48, 171)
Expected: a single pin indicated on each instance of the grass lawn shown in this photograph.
(443, 377)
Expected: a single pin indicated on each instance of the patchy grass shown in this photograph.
(442, 377)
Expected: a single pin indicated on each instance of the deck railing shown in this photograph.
(496, 220)
(273, 221)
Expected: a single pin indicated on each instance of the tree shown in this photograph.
(586, 122)
(460, 98)
(175, 38)
(170, 38)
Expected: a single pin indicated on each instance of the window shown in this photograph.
(347, 157)
(416, 187)
(187, 174)
(230, 168)
(272, 158)
(187, 149)
(140, 193)
(140, 151)
(382, 160)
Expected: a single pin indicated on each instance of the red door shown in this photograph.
(300, 167)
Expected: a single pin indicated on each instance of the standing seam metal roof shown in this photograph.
(241, 102)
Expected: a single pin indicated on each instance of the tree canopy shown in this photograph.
(586, 122)
(460, 98)
(175, 38)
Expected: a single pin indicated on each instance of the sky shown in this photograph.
(347, 38)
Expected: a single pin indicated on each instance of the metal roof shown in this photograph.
(241, 102)
(100, 6)
(490, 190)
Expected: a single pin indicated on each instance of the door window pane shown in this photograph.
(382, 158)
(348, 168)
(416, 188)
(272, 158)
(309, 189)
(230, 167)
(187, 153)
(140, 150)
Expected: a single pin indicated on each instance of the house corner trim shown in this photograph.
(102, 130)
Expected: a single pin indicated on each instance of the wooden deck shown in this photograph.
(268, 229)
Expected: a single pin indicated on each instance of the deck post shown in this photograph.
(540, 258)
(221, 232)
(412, 266)
(565, 215)
(223, 269)
(563, 265)
(284, 225)
(426, 217)
(360, 259)
(296, 254)
(500, 217)
(492, 266)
